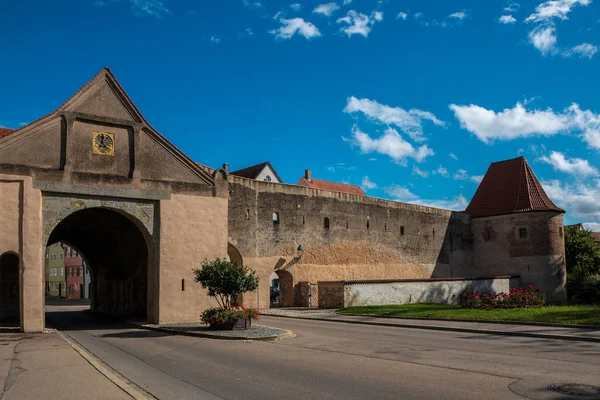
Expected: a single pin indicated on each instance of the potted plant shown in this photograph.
(225, 281)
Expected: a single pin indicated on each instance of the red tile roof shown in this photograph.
(509, 187)
(331, 186)
(596, 236)
(4, 132)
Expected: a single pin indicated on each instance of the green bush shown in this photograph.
(584, 290)
(225, 280)
(218, 316)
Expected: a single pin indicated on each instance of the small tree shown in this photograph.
(582, 252)
(225, 280)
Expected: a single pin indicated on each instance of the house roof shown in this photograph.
(331, 186)
(596, 236)
(509, 187)
(111, 80)
(255, 170)
(4, 132)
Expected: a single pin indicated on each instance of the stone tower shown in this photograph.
(518, 230)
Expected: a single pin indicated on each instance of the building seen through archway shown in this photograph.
(67, 274)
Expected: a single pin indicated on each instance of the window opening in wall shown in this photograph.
(347, 224)
(303, 222)
(367, 225)
(560, 232)
(522, 233)
(275, 218)
(385, 226)
(326, 223)
(401, 231)
(248, 214)
(433, 235)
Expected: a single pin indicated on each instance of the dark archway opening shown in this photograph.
(9, 289)
(117, 254)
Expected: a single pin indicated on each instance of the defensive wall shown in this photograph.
(345, 237)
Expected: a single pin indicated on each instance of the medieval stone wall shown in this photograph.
(538, 258)
(344, 236)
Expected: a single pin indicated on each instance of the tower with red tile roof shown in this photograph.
(517, 229)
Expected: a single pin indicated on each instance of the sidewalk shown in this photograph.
(37, 366)
(543, 331)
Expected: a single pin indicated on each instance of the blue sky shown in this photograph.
(410, 99)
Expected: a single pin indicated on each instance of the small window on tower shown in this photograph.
(326, 223)
(522, 233)
(275, 218)
(560, 232)
(401, 231)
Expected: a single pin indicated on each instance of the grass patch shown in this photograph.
(587, 315)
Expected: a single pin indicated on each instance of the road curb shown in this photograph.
(286, 335)
(452, 329)
(481, 321)
(99, 366)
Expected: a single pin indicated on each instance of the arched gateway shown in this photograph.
(96, 175)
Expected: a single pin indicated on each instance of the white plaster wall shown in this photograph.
(443, 291)
(267, 171)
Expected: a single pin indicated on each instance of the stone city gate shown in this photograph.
(97, 176)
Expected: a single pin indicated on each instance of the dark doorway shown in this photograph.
(9, 288)
(117, 254)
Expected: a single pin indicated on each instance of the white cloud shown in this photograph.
(411, 121)
(458, 203)
(419, 172)
(215, 39)
(592, 226)
(252, 4)
(358, 23)
(460, 15)
(580, 200)
(367, 184)
(141, 8)
(544, 39)
(510, 123)
(397, 192)
(476, 178)
(461, 175)
(442, 171)
(346, 2)
(574, 166)
(583, 50)
(390, 144)
(296, 6)
(512, 7)
(551, 9)
(402, 15)
(291, 27)
(452, 155)
(326, 9)
(507, 19)
(518, 122)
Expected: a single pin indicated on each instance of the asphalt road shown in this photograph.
(336, 361)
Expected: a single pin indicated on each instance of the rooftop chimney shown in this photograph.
(307, 175)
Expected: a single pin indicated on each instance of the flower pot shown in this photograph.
(236, 325)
